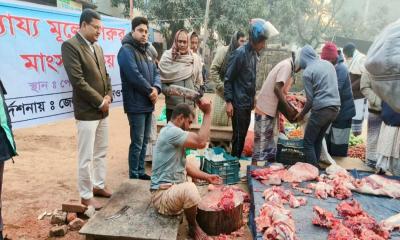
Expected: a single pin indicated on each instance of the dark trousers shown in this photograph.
(240, 124)
(140, 128)
(315, 131)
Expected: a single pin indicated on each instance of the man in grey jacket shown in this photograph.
(320, 84)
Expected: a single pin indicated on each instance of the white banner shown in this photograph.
(31, 67)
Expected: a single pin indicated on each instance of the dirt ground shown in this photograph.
(44, 174)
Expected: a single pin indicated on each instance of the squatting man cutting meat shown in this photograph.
(171, 193)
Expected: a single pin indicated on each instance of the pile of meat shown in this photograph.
(223, 198)
(372, 184)
(274, 221)
(337, 183)
(276, 173)
(296, 101)
(355, 224)
(281, 196)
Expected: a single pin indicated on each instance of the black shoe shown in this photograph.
(144, 177)
(380, 171)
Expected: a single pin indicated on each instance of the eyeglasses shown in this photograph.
(96, 27)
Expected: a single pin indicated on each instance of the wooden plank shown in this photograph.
(140, 221)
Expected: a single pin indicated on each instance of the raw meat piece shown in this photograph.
(277, 195)
(367, 234)
(357, 224)
(311, 185)
(227, 201)
(301, 172)
(264, 220)
(360, 223)
(324, 218)
(339, 189)
(323, 190)
(280, 196)
(273, 180)
(268, 213)
(341, 232)
(234, 235)
(280, 231)
(274, 220)
(349, 208)
(222, 198)
(335, 169)
(264, 173)
(295, 202)
(378, 185)
(272, 175)
(245, 195)
(303, 190)
(280, 223)
(391, 223)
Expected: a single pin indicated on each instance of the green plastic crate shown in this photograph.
(228, 170)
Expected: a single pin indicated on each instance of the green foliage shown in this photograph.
(354, 141)
(170, 15)
(303, 21)
(299, 21)
(359, 29)
(229, 16)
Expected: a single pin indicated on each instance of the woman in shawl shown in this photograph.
(179, 66)
(217, 73)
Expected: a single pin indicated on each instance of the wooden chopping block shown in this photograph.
(214, 219)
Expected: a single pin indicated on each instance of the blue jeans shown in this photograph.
(140, 128)
(315, 131)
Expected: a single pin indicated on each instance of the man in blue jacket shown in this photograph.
(140, 88)
(338, 138)
(240, 81)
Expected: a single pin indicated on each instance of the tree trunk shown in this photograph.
(216, 220)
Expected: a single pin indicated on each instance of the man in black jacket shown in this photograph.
(240, 81)
(7, 144)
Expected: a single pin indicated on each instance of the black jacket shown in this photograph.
(389, 116)
(347, 108)
(240, 78)
(139, 74)
(7, 144)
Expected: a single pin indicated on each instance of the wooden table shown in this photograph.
(140, 221)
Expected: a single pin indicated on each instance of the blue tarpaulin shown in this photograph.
(379, 207)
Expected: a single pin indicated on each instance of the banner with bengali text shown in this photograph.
(31, 67)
